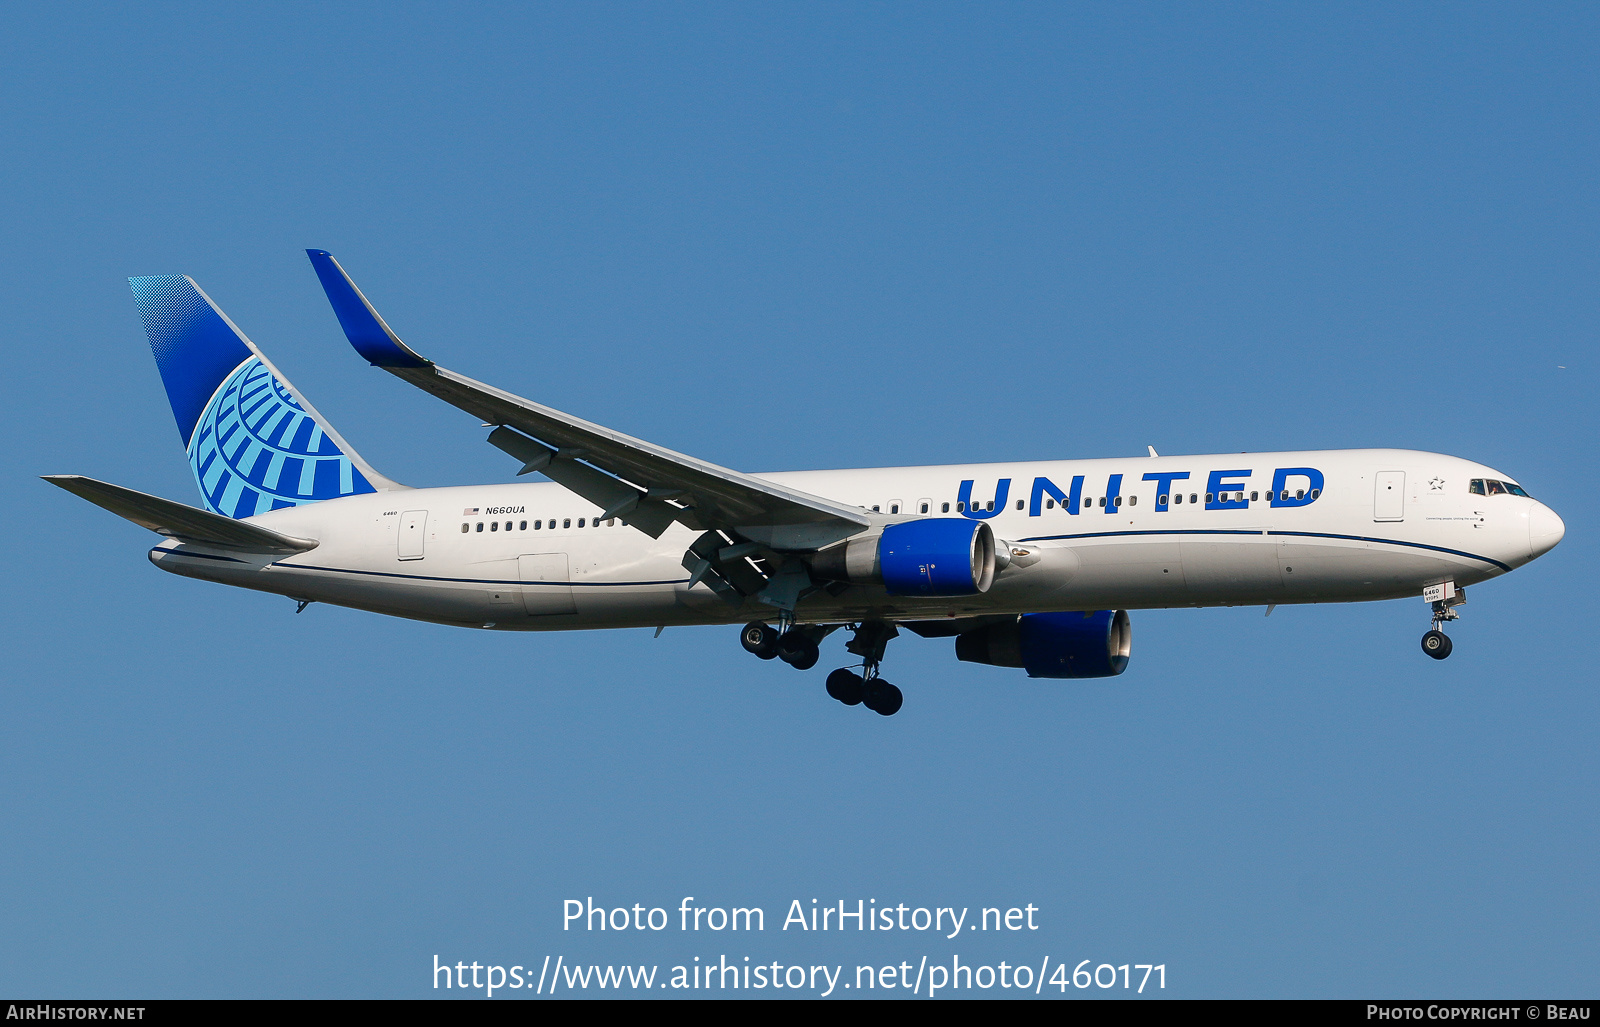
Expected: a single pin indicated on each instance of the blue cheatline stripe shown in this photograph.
(1242, 531)
(1035, 538)
(474, 581)
(195, 556)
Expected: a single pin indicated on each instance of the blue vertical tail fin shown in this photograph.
(254, 443)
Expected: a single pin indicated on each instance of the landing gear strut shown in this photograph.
(1444, 599)
(867, 688)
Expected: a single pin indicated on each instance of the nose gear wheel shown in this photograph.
(1436, 643)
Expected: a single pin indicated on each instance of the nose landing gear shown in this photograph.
(1444, 598)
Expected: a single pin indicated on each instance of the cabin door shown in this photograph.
(1389, 496)
(413, 530)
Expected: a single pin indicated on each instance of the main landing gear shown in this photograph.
(874, 693)
(867, 688)
(798, 647)
(1444, 599)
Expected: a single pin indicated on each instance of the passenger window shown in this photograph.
(508, 525)
(1285, 495)
(1299, 493)
(522, 526)
(611, 522)
(1019, 504)
(1161, 500)
(580, 522)
(494, 525)
(464, 528)
(924, 507)
(1133, 500)
(894, 507)
(960, 507)
(480, 525)
(944, 508)
(1254, 496)
(1315, 493)
(566, 522)
(1208, 497)
(989, 505)
(538, 525)
(1102, 500)
(1049, 504)
(875, 508)
(1177, 500)
(1193, 498)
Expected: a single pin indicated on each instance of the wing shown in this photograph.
(175, 520)
(648, 485)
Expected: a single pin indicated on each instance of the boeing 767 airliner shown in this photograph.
(1029, 565)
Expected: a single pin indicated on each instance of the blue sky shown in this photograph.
(782, 237)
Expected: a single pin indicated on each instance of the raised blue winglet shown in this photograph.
(367, 332)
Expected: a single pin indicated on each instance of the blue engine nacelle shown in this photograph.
(939, 556)
(1053, 645)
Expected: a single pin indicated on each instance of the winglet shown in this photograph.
(366, 331)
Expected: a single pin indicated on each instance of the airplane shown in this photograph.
(1031, 565)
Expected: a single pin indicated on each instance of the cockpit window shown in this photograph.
(1490, 487)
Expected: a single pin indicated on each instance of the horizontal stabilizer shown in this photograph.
(175, 520)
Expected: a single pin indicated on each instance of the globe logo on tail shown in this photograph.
(256, 449)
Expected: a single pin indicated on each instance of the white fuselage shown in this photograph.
(1384, 524)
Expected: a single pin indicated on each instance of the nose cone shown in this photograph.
(1545, 529)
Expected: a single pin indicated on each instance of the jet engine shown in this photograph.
(1053, 645)
(936, 556)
